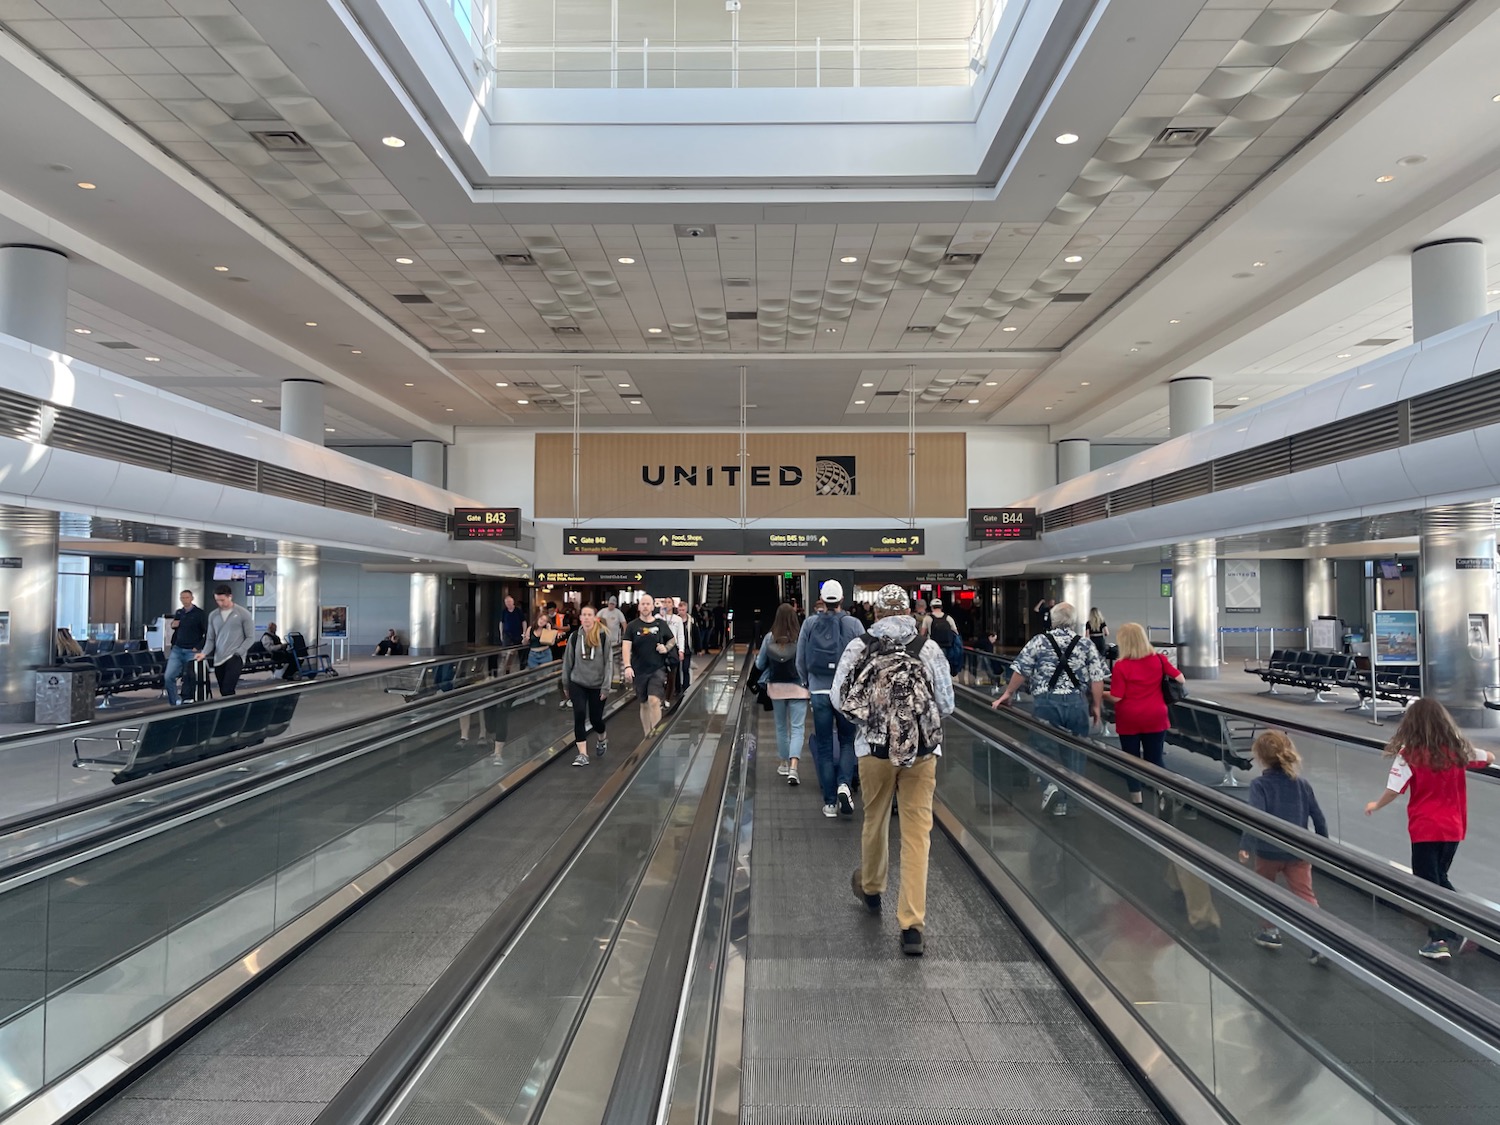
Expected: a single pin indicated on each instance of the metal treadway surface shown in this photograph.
(842, 1028)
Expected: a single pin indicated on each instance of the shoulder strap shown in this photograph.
(1062, 662)
(914, 646)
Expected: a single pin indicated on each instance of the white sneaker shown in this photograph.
(831, 811)
(846, 801)
(1048, 794)
(783, 769)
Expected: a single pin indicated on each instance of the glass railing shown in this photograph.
(45, 770)
(1328, 1027)
(94, 945)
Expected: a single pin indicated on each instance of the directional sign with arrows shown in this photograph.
(606, 541)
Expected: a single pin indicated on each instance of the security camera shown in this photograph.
(731, 5)
(694, 232)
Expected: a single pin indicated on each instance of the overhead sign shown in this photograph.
(255, 583)
(487, 523)
(585, 577)
(912, 577)
(858, 541)
(1166, 582)
(1003, 523)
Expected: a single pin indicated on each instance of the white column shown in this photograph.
(1459, 619)
(34, 295)
(429, 462)
(1447, 285)
(1072, 458)
(298, 594)
(1078, 592)
(1319, 597)
(422, 615)
(28, 596)
(302, 410)
(1195, 608)
(1190, 403)
(187, 574)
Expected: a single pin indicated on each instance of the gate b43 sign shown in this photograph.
(501, 524)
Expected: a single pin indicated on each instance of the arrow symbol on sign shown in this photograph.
(572, 539)
(663, 540)
(915, 539)
(823, 541)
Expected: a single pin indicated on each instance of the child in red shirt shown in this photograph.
(1431, 755)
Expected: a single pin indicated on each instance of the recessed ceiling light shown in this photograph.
(393, 142)
(830, 330)
(1085, 384)
(992, 383)
(867, 384)
(523, 402)
(1174, 322)
(626, 261)
(1365, 386)
(411, 384)
(1343, 355)
(403, 261)
(973, 402)
(849, 259)
(153, 359)
(310, 323)
(1073, 258)
(221, 269)
(1009, 328)
(1259, 265)
(1387, 178)
(1243, 398)
(859, 402)
(1046, 408)
(86, 186)
(497, 384)
(477, 331)
(1135, 349)
(257, 400)
(654, 331)
(84, 331)
(1067, 138)
(355, 351)
(635, 402)
(449, 409)
(1492, 293)
(1496, 98)
(329, 430)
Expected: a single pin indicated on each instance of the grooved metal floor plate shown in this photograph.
(841, 1028)
(277, 1056)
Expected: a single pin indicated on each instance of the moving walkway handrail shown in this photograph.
(1474, 1013)
(1389, 881)
(375, 1085)
(26, 863)
(132, 789)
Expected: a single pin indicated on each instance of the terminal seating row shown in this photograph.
(122, 671)
(1212, 734)
(1316, 671)
(418, 683)
(1390, 685)
(187, 735)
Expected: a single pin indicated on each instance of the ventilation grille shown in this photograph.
(414, 298)
(20, 417)
(1454, 409)
(741, 314)
(515, 259)
(80, 432)
(960, 259)
(399, 511)
(276, 481)
(119, 345)
(1463, 406)
(1070, 298)
(189, 459)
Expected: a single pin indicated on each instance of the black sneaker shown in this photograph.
(871, 902)
(911, 942)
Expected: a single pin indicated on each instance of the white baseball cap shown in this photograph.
(831, 591)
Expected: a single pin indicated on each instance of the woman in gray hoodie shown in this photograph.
(585, 680)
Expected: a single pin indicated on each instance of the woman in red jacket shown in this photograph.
(1140, 707)
(1430, 758)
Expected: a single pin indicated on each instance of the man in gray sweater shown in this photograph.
(231, 632)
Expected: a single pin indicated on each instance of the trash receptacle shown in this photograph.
(65, 694)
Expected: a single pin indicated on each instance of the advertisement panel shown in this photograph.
(1395, 639)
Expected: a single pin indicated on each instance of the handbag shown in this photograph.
(1172, 690)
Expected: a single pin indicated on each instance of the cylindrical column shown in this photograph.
(1190, 404)
(1195, 608)
(28, 601)
(1319, 595)
(34, 295)
(1078, 592)
(302, 410)
(297, 590)
(1447, 285)
(187, 574)
(429, 462)
(422, 616)
(1072, 458)
(1459, 654)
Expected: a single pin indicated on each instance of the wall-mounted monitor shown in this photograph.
(230, 571)
(1390, 570)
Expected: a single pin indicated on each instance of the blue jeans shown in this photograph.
(1070, 713)
(179, 660)
(835, 766)
(538, 656)
(791, 721)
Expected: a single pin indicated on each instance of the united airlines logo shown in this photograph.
(833, 476)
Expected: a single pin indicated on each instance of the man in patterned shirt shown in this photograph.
(1065, 676)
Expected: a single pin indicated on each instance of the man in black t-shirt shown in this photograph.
(644, 650)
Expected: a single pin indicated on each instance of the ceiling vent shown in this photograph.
(515, 259)
(1375, 342)
(888, 394)
(567, 329)
(283, 142)
(921, 329)
(706, 230)
(1070, 298)
(1178, 138)
(953, 259)
(737, 283)
(119, 345)
(741, 314)
(414, 298)
(524, 383)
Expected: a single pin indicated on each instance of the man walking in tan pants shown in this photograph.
(898, 748)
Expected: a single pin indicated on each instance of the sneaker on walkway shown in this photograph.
(1048, 794)
(601, 746)
(1269, 938)
(872, 902)
(1314, 958)
(1436, 951)
(1060, 807)
(830, 811)
(791, 774)
(581, 760)
(846, 801)
(782, 769)
(911, 942)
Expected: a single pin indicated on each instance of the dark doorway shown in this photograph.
(753, 598)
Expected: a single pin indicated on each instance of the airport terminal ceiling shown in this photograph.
(251, 219)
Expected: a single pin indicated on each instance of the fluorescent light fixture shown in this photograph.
(1243, 398)
(1365, 386)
